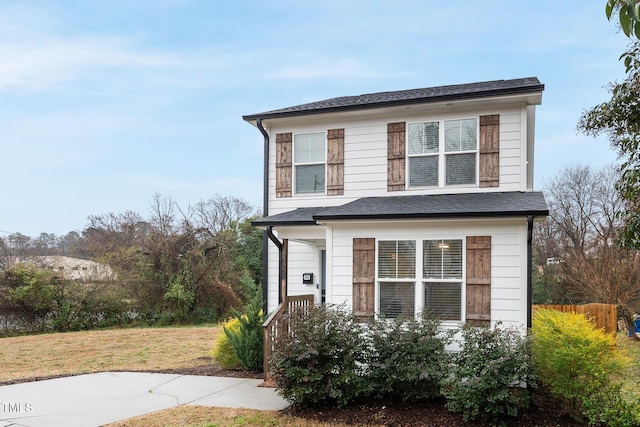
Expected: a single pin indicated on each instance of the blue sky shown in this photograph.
(104, 103)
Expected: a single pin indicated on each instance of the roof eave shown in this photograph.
(423, 100)
(262, 224)
(535, 213)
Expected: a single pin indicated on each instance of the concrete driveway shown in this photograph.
(102, 398)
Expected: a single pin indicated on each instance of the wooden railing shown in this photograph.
(278, 324)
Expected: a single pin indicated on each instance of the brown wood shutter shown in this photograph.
(335, 162)
(396, 134)
(490, 151)
(364, 274)
(479, 280)
(284, 151)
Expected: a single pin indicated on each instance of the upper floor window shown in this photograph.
(309, 161)
(433, 163)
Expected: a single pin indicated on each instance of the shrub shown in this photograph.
(223, 352)
(486, 377)
(608, 407)
(31, 294)
(324, 363)
(408, 358)
(248, 342)
(576, 362)
(179, 297)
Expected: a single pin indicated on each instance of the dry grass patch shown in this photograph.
(105, 350)
(201, 416)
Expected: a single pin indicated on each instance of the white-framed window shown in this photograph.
(442, 278)
(309, 162)
(420, 275)
(442, 153)
(396, 277)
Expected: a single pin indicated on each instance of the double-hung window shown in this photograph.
(442, 153)
(461, 147)
(309, 159)
(424, 151)
(396, 277)
(442, 278)
(420, 275)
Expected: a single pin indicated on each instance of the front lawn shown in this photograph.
(632, 374)
(136, 349)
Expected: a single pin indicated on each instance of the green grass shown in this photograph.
(631, 348)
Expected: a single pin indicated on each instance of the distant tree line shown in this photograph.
(174, 265)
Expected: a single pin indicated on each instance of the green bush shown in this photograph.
(608, 407)
(248, 342)
(324, 363)
(487, 376)
(223, 352)
(578, 364)
(408, 358)
(31, 294)
(179, 297)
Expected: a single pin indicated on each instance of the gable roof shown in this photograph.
(406, 97)
(441, 206)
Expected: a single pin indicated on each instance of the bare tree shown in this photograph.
(577, 245)
(162, 213)
(16, 248)
(220, 213)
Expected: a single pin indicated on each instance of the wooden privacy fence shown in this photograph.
(278, 324)
(604, 316)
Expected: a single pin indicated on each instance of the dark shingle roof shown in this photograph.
(300, 216)
(495, 204)
(404, 97)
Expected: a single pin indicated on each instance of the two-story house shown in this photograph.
(396, 202)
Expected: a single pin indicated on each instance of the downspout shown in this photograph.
(265, 212)
(278, 244)
(529, 260)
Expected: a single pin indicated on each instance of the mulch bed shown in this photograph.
(428, 414)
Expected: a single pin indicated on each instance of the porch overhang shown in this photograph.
(441, 206)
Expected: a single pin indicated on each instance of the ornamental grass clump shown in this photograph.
(248, 341)
(579, 365)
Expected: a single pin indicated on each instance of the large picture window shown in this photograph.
(429, 270)
(309, 158)
(433, 163)
(434, 266)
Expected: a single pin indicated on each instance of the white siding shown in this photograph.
(508, 258)
(365, 156)
(365, 175)
(303, 258)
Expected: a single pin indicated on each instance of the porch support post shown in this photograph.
(529, 272)
(284, 267)
(283, 262)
